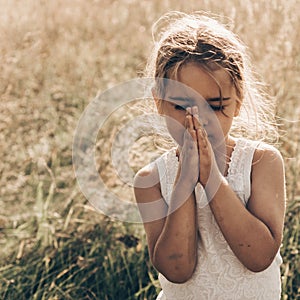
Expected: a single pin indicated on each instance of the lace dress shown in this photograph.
(219, 274)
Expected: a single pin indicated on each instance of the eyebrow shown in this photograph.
(217, 99)
(184, 99)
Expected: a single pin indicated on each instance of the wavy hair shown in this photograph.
(181, 38)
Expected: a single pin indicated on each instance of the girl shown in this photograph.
(216, 232)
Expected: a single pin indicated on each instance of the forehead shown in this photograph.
(196, 80)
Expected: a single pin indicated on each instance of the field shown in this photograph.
(55, 57)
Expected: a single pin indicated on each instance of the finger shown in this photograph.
(189, 122)
(194, 111)
(193, 133)
(196, 121)
(202, 139)
(190, 139)
(189, 110)
(198, 125)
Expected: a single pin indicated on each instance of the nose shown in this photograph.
(204, 120)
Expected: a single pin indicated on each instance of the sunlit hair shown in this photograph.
(181, 38)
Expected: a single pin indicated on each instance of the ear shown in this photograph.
(158, 101)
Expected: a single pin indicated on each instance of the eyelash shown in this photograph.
(179, 107)
(217, 108)
(214, 108)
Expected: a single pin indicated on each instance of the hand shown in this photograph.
(206, 158)
(188, 171)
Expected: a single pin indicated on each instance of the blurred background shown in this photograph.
(55, 57)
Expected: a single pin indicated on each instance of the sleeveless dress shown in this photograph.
(219, 274)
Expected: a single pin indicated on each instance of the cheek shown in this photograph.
(225, 124)
(176, 129)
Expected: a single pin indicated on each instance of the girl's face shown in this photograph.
(202, 89)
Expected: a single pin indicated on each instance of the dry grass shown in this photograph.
(57, 55)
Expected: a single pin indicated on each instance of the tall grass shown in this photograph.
(55, 57)
(83, 268)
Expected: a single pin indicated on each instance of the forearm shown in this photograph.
(248, 237)
(175, 250)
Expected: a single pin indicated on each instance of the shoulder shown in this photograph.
(148, 174)
(266, 155)
(267, 167)
(260, 150)
(147, 180)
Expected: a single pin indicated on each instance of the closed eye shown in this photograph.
(181, 107)
(217, 100)
(213, 107)
(217, 108)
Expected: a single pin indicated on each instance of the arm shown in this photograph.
(171, 231)
(172, 239)
(254, 233)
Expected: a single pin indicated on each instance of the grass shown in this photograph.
(55, 57)
(81, 268)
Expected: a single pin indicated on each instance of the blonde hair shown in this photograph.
(180, 38)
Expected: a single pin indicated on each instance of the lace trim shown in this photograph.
(234, 162)
(237, 168)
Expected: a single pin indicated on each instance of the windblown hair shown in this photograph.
(181, 38)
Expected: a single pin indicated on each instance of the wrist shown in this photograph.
(186, 183)
(183, 190)
(183, 179)
(213, 185)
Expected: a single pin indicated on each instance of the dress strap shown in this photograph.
(240, 166)
(167, 165)
(248, 158)
(162, 173)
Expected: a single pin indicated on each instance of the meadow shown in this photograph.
(55, 57)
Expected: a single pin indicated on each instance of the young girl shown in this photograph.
(213, 215)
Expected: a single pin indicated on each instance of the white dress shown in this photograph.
(219, 274)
